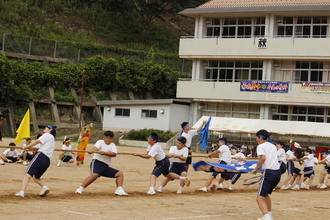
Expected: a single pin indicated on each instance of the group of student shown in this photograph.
(174, 165)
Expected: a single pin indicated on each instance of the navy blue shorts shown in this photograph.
(38, 165)
(216, 174)
(269, 180)
(13, 159)
(233, 177)
(29, 156)
(282, 167)
(290, 167)
(189, 159)
(102, 169)
(296, 171)
(67, 158)
(162, 167)
(327, 169)
(178, 168)
(308, 171)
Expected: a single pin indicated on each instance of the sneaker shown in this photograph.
(318, 186)
(296, 187)
(20, 161)
(230, 188)
(303, 185)
(79, 191)
(204, 189)
(44, 191)
(179, 191)
(2, 162)
(151, 192)
(220, 187)
(323, 186)
(263, 218)
(20, 193)
(306, 186)
(25, 163)
(160, 189)
(283, 187)
(214, 186)
(120, 192)
(9, 161)
(186, 181)
(288, 186)
(58, 164)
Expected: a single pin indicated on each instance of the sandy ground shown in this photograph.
(99, 202)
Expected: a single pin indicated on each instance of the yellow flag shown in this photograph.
(23, 130)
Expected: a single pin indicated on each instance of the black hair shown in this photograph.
(12, 144)
(109, 134)
(223, 139)
(66, 139)
(183, 124)
(298, 152)
(264, 133)
(53, 131)
(28, 139)
(39, 135)
(182, 139)
(155, 136)
(281, 143)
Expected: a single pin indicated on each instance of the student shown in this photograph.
(297, 173)
(271, 176)
(178, 155)
(189, 134)
(40, 162)
(155, 151)
(290, 168)
(27, 155)
(235, 158)
(10, 155)
(100, 165)
(325, 173)
(308, 161)
(281, 156)
(65, 156)
(224, 158)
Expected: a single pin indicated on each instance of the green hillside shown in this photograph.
(133, 24)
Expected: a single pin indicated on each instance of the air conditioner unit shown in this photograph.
(205, 63)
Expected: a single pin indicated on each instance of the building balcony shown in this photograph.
(230, 92)
(247, 48)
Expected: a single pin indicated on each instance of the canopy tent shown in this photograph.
(251, 126)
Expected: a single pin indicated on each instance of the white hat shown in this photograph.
(297, 145)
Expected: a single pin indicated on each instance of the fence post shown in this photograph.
(3, 42)
(30, 45)
(55, 47)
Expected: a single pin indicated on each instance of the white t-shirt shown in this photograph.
(102, 146)
(327, 162)
(309, 161)
(189, 136)
(64, 147)
(174, 150)
(29, 151)
(47, 144)
(225, 154)
(290, 155)
(9, 153)
(156, 152)
(269, 150)
(239, 155)
(281, 155)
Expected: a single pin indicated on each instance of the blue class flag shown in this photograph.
(204, 133)
(240, 167)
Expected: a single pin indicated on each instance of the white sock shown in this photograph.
(120, 188)
(160, 187)
(270, 214)
(181, 188)
(44, 187)
(182, 178)
(81, 188)
(152, 188)
(267, 216)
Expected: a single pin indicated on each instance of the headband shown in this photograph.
(264, 137)
(223, 141)
(50, 127)
(67, 141)
(153, 138)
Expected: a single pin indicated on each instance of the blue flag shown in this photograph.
(204, 133)
(240, 167)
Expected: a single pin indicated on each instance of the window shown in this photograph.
(235, 27)
(235, 110)
(302, 27)
(307, 71)
(122, 112)
(302, 113)
(233, 71)
(148, 113)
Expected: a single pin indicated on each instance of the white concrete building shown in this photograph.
(266, 59)
(161, 114)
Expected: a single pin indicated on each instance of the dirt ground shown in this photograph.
(99, 202)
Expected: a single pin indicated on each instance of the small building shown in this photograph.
(161, 114)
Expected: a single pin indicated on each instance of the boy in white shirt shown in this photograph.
(10, 155)
(308, 161)
(325, 173)
(178, 155)
(100, 165)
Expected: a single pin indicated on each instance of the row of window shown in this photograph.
(282, 112)
(145, 113)
(292, 71)
(301, 26)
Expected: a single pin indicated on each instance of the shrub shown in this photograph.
(143, 134)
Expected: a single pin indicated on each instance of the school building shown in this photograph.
(265, 59)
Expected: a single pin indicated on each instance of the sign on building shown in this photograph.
(262, 43)
(264, 86)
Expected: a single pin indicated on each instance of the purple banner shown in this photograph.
(264, 86)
